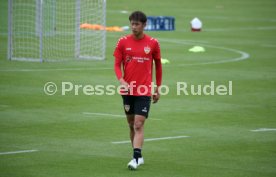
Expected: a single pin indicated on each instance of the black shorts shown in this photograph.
(137, 105)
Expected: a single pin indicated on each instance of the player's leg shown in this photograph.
(130, 120)
(138, 141)
(141, 109)
(128, 102)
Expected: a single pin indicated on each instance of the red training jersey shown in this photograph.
(137, 56)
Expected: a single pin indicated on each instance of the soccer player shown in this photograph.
(134, 57)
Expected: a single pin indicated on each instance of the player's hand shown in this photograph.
(156, 96)
(124, 86)
(123, 82)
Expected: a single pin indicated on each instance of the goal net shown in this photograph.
(50, 30)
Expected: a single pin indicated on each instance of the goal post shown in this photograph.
(49, 30)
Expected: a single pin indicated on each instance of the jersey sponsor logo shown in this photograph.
(128, 58)
(140, 59)
(127, 107)
(128, 48)
(147, 49)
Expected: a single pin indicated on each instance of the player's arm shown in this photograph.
(117, 68)
(118, 71)
(118, 54)
(158, 75)
(158, 72)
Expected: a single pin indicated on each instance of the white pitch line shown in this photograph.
(152, 139)
(123, 11)
(243, 56)
(264, 129)
(18, 152)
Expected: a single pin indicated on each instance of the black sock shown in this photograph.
(137, 154)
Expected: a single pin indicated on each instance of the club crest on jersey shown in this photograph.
(127, 107)
(147, 49)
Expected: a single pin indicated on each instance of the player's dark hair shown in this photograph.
(138, 16)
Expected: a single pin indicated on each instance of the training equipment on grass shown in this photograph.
(165, 61)
(101, 27)
(196, 25)
(197, 49)
(49, 30)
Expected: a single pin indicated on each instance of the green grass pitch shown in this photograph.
(220, 144)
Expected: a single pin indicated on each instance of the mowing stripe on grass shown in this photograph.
(261, 28)
(264, 129)
(18, 152)
(268, 45)
(102, 114)
(152, 139)
(53, 69)
(109, 115)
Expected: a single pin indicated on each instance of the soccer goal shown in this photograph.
(50, 30)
